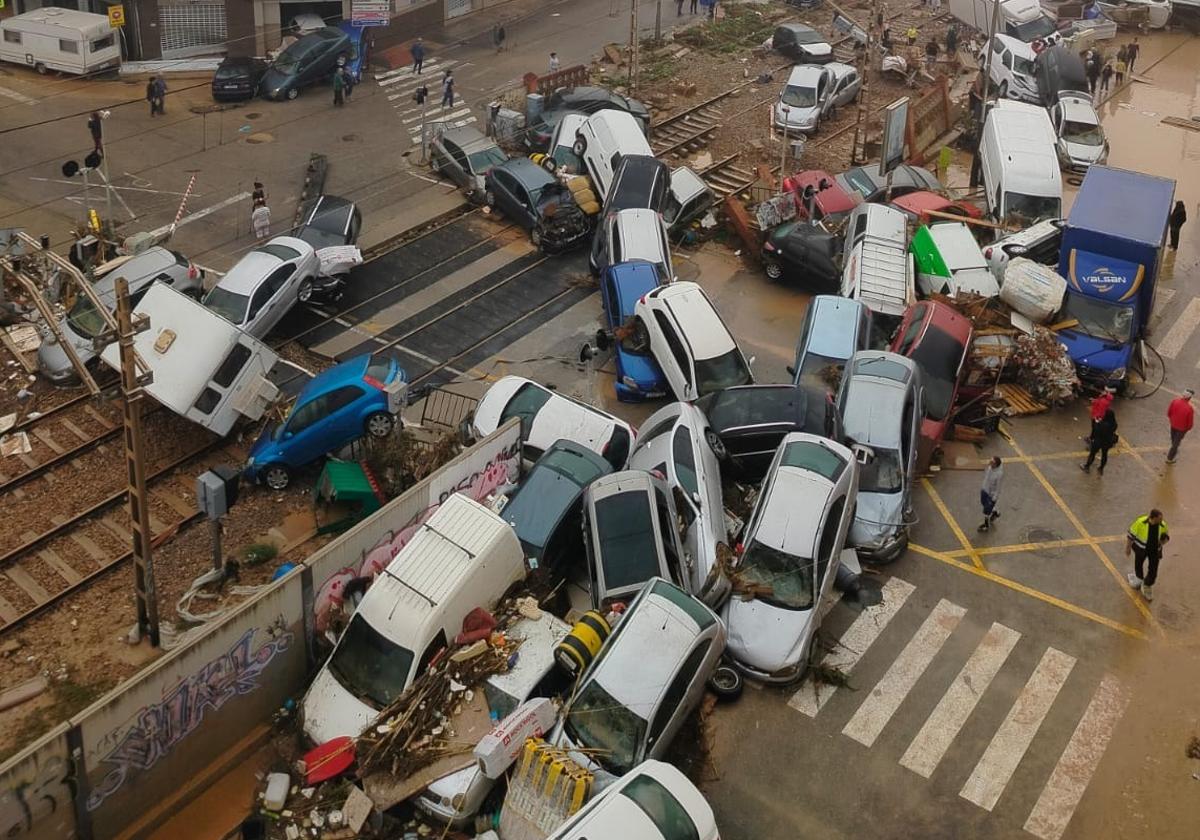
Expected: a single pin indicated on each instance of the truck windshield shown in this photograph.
(1032, 207)
(1101, 319)
(369, 665)
(1040, 27)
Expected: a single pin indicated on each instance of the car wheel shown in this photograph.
(774, 269)
(715, 444)
(277, 477)
(535, 236)
(726, 682)
(293, 93)
(489, 198)
(304, 293)
(379, 424)
(579, 146)
(40, 68)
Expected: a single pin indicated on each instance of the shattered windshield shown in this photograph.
(598, 722)
(776, 577)
(883, 474)
(229, 305)
(369, 665)
(795, 96)
(1101, 319)
(1032, 207)
(483, 161)
(85, 319)
(722, 371)
(1087, 134)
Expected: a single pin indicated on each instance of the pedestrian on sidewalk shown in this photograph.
(151, 96)
(347, 82)
(95, 127)
(931, 55)
(259, 196)
(1100, 404)
(448, 90)
(678, 8)
(160, 94)
(418, 55)
(1105, 76)
(1180, 416)
(1131, 54)
(1145, 540)
(260, 220)
(989, 492)
(1104, 438)
(1120, 71)
(1178, 217)
(339, 88)
(554, 63)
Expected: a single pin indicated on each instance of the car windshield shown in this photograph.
(882, 474)
(484, 160)
(634, 338)
(231, 71)
(1023, 66)
(289, 59)
(1040, 27)
(810, 36)
(629, 552)
(860, 181)
(85, 318)
(820, 371)
(1100, 319)
(229, 305)
(575, 466)
(722, 371)
(598, 722)
(661, 808)
(795, 96)
(776, 577)
(1032, 207)
(939, 356)
(1086, 134)
(369, 665)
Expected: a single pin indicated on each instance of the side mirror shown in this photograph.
(750, 361)
(696, 499)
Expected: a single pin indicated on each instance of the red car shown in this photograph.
(829, 198)
(937, 338)
(916, 205)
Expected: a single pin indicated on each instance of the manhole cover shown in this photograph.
(1036, 535)
(207, 108)
(253, 115)
(349, 138)
(260, 137)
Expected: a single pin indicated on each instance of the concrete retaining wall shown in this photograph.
(36, 791)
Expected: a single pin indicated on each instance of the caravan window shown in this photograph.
(68, 46)
(101, 43)
(11, 37)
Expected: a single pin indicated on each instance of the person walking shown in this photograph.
(151, 95)
(1175, 223)
(260, 220)
(1180, 416)
(1123, 53)
(1145, 540)
(1104, 438)
(498, 36)
(1099, 407)
(96, 128)
(1131, 54)
(418, 55)
(339, 88)
(931, 55)
(448, 90)
(951, 40)
(554, 62)
(989, 492)
(678, 8)
(1092, 71)
(160, 94)
(1120, 71)
(349, 81)
(692, 7)
(911, 35)
(1105, 76)
(259, 196)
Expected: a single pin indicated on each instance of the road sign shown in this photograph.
(370, 12)
(116, 16)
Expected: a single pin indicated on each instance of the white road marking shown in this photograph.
(956, 705)
(120, 198)
(991, 775)
(114, 186)
(874, 713)
(406, 89)
(1075, 767)
(200, 214)
(812, 696)
(426, 68)
(19, 97)
(439, 115)
(1180, 331)
(415, 131)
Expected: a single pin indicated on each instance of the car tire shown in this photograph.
(535, 236)
(773, 269)
(579, 146)
(379, 425)
(726, 682)
(489, 198)
(716, 444)
(292, 93)
(40, 68)
(277, 477)
(304, 293)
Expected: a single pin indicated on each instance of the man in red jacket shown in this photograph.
(1180, 415)
(1100, 406)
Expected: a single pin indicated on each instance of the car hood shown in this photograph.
(643, 370)
(1095, 352)
(330, 711)
(265, 444)
(1081, 151)
(766, 638)
(877, 517)
(797, 116)
(274, 78)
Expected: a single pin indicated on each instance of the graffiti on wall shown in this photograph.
(36, 801)
(157, 728)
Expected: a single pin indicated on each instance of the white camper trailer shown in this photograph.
(60, 39)
(205, 368)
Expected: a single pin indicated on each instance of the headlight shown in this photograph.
(767, 246)
(630, 382)
(1119, 373)
(250, 462)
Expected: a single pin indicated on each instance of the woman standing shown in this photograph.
(1104, 438)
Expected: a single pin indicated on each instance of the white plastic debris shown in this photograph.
(277, 791)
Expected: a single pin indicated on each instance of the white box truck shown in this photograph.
(65, 40)
(1020, 19)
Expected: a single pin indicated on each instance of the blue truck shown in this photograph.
(1112, 248)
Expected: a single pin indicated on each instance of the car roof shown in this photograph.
(706, 333)
(873, 411)
(796, 27)
(538, 636)
(835, 325)
(239, 60)
(528, 173)
(250, 270)
(839, 69)
(1016, 45)
(686, 184)
(948, 319)
(611, 814)
(1075, 108)
(959, 248)
(632, 280)
(806, 74)
(465, 136)
(802, 496)
(640, 218)
(568, 123)
(344, 373)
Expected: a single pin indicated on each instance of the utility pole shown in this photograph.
(104, 115)
(139, 503)
(633, 44)
(864, 72)
(657, 21)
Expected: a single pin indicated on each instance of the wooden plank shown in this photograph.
(183, 508)
(157, 526)
(98, 417)
(17, 574)
(61, 566)
(8, 612)
(44, 436)
(27, 361)
(89, 545)
(75, 430)
(121, 531)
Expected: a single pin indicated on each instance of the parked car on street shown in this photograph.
(310, 60)
(643, 684)
(464, 156)
(639, 377)
(805, 254)
(362, 396)
(834, 329)
(789, 556)
(867, 182)
(801, 43)
(545, 510)
(882, 403)
(918, 205)
(831, 202)
(537, 201)
(1041, 242)
(679, 443)
(697, 352)
(587, 99)
(264, 284)
(633, 234)
(83, 323)
(937, 338)
(547, 416)
(752, 420)
(631, 536)
(237, 78)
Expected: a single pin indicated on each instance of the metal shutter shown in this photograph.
(455, 8)
(186, 28)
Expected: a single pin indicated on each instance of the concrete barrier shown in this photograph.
(37, 790)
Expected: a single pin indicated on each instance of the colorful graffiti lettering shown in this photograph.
(158, 728)
(38, 802)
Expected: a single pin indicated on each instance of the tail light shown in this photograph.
(739, 549)
(987, 253)
(373, 382)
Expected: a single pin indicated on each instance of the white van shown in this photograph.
(878, 269)
(463, 557)
(1012, 69)
(1019, 163)
(1020, 19)
(601, 141)
(60, 39)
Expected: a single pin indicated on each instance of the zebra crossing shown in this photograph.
(935, 737)
(400, 85)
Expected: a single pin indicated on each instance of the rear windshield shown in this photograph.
(369, 665)
(379, 368)
(756, 406)
(629, 552)
(661, 808)
(722, 371)
(525, 403)
(231, 71)
(283, 252)
(486, 159)
(815, 458)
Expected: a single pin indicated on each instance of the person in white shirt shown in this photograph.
(989, 493)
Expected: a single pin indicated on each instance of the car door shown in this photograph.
(608, 299)
(668, 349)
(282, 294)
(305, 438)
(676, 702)
(458, 168)
(344, 414)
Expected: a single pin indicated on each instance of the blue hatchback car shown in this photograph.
(638, 375)
(360, 49)
(357, 397)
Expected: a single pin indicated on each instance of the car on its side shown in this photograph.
(237, 78)
(697, 352)
(789, 557)
(362, 396)
(937, 338)
(540, 132)
(948, 261)
(653, 801)
(310, 60)
(829, 200)
(918, 205)
(561, 147)
(805, 254)
(537, 201)
(357, 56)
(643, 684)
(547, 416)
(587, 99)
(630, 532)
(639, 377)
(752, 420)
(264, 284)
(83, 323)
(545, 510)
(801, 43)
(882, 403)
(678, 442)
(604, 139)
(868, 183)
(1013, 68)
(834, 329)
(464, 156)
(690, 198)
(1040, 242)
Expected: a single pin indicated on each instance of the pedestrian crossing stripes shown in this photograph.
(17, 97)
(399, 74)
(935, 738)
(400, 86)
(436, 113)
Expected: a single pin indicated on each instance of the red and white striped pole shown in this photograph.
(182, 205)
